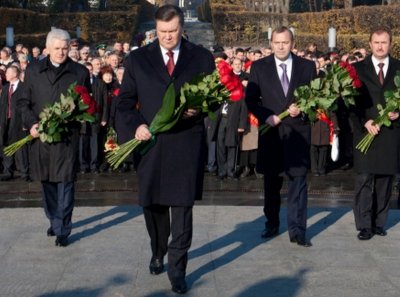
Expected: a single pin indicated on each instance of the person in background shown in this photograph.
(11, 127)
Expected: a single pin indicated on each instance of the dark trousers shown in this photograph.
(225, 154)
(22, 162)
(89, 151)
(371, 201)
(248, 158)
(160, 224)
(211, 157)
(296, 203)
(319, 158)
(58, 201)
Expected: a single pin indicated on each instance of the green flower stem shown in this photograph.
(262, 129)
(12, 148)
(116, 157)
(365, 143)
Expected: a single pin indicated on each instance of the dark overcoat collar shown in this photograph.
(154, 56)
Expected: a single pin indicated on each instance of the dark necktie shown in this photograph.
(380, 73)
(284, 78)
(170, 63)
(10, 92)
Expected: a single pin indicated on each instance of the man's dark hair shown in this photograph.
(167, 12)
(381, 30)
(16, 69)
(281, 30)
(239, 50)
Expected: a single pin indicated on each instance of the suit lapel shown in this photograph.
(371, 72)
(272, 74)
(156, 60)
(295, 75)
(391, 73)
(185, 56)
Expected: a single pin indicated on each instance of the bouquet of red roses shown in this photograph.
(76, 105)
(321, 95)
(201, 93)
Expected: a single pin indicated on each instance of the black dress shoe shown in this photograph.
(245, 173)
(270, 232)
(156, 266)
(95, 171)
(27, 179)
(365, 234)
(61, 241)
(50, 232)
(301, 241)
(179, 285)
(84, 171)
(379, 231)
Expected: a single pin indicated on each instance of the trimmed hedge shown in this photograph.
(244, 28)
(31, 28)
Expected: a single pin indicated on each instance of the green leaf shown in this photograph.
(166, 111)
(397, 80)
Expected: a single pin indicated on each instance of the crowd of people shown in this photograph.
(232, 140)
(128, 85)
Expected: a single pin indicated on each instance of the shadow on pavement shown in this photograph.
(276, 287)
(334, 215)
(127, 213)
(241, 236)
(119, 279)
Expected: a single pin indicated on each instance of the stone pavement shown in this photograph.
(109, 256)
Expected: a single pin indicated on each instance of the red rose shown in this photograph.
(230, 85)
(86, 98)
(237, 94)
(80, 90)
(92, 108)
(224, 68)
(224, 79)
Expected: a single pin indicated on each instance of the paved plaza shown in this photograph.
(109, 255)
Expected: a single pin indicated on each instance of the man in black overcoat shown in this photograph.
(225, 130)
(54, 164)
(170, 174)
(375, 169)
(286, 147)
(11, 128)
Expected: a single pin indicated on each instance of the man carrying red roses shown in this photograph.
(286, 147)
(54, 164)
(170, 174)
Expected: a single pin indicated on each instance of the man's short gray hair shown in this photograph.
(59, 34)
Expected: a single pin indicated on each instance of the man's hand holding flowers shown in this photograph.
(35, 131)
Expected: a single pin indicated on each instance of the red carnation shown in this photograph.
(116, 92)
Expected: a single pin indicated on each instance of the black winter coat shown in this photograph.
(171, 172)
(43, 86)
(383, 154)
(14, 131)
